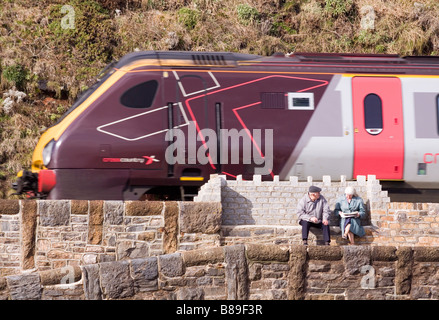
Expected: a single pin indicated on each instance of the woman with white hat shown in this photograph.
(350, 208)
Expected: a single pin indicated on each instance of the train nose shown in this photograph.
(35, 184)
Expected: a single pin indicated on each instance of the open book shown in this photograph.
(348, 214)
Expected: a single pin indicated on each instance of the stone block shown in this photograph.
(426, 254)
(404, 270)
(116, 280)
(297, 274)
(384, 253)
(58, 254)
(95, 222)
(294, 180)
(91, 279)
(203, 256)
(361, 180)
(343, 180)
(28, 233)
(238, 287)
(145, 274)
(8, 206)
(25, 287)
(3, 283)
(170, 236)
(132, 249)
(257, 179)
(113, 212)
(54, 212)
(204, 217)
(260, 252)
(355, 257)
(65, 275)
(327, 181)
(329, 253)
(190, 294)
(143, 208)
(171, 265)
(4, 292)
(79, 207)
(146, 236)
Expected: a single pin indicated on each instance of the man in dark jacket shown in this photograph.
(313, 211)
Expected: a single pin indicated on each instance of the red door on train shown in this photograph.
(378, 127)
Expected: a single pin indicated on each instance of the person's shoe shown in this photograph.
(305, 242)
(327, 243)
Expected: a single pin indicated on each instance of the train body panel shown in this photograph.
(421, 128)
(326, 145)
(165, 119)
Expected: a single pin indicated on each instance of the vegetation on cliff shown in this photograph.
(51, 50)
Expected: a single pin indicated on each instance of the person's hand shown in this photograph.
(314, 220)
(325, 222)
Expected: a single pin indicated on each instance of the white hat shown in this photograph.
(349, 190)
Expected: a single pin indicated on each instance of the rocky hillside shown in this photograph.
(51, 50)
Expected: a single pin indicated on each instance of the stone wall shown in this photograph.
(265, 212)
(257, 202)
(43, 234)
(242, 272)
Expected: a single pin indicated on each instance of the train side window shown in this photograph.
(140, 96)
(373, 114)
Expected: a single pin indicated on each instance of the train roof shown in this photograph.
(331, 62)
(194, 57)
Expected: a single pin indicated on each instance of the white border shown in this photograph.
(217, 85)
(100, 128)
(309, 95)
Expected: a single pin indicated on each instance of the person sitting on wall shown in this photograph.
(313, 211)
(350, 208)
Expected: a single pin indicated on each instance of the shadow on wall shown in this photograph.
(237, 209)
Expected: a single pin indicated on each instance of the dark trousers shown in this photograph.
(306, 225)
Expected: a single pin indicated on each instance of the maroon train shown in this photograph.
(318, 114)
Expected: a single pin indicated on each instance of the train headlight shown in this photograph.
(47, 152)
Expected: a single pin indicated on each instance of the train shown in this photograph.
(162, 122)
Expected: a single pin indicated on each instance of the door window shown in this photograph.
(373, 114)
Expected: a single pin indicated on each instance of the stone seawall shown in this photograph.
(237, 240)
(244, 272)
(46, 234)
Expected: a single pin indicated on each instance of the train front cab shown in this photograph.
(112, 145)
